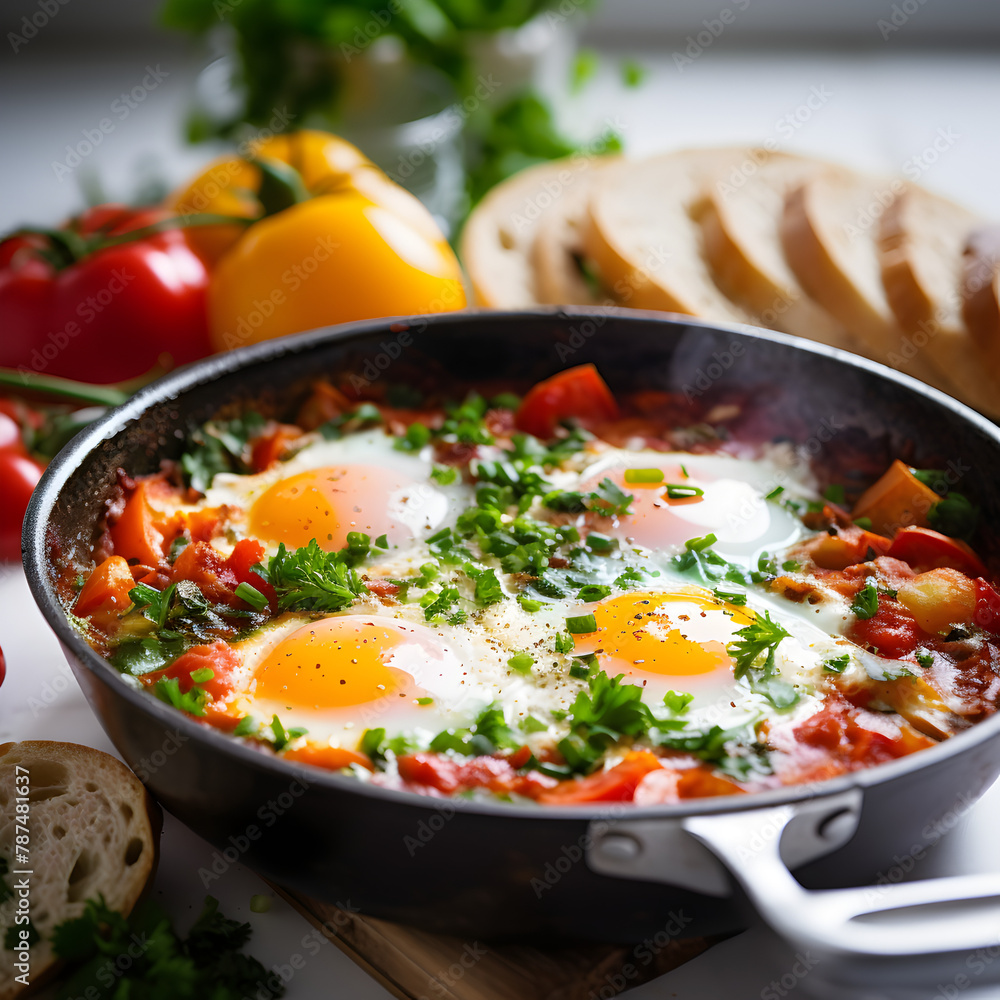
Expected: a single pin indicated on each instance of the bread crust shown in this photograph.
(93, 829)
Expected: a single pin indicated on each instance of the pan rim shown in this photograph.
(216, 367)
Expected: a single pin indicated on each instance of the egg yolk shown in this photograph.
(338, 662)
(327, 503)
(680, 633)
(730, 509)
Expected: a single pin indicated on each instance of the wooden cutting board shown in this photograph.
(415, 965)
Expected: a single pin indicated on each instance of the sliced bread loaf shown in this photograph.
(981, 293)
(641, 232)
(829, 233)
(497, 241)
(92, 829)
(558, 254)
(921, 238)
(742, 244)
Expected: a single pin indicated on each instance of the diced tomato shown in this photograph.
(219, 657)
(138, 533)
(848, 546)
(577, 392)
(670, 784)
(105, 594)
(925, 549)
(446, 775)
(839, 729)
(246, 554)
(202, 564)
(203, 525)
(329, 758)
(618, 784)
(893, 632)
(272, 445)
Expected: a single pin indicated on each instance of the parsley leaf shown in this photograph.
(865, 604)
(487, 734)
(837, 664)
(192, 701)
(207, 963)
(608, 499)
(309, 579)
(761, 638)
(219, 446)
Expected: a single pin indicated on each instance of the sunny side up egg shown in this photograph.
(382, 665)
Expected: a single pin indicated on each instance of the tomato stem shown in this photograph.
(62, 388)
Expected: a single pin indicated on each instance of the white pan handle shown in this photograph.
(922, 932)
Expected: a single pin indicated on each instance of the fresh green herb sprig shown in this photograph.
(209, 962)
(761, 638)
(219, 446)
(311, 579)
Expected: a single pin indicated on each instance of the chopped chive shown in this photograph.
(677, 701)
(701, 543)
(425, 701)
(864, 523)
(600, 543)
(581, 624)
(677, 491)
(643, 476)
(528, 604)
(776, 492)
(521, 662)
(684, 472)
(593, 592)
(245, 726)
(202, 674)
(382, 542)
(260, 904)
(564, 643)
(253, 597)
(444, 475)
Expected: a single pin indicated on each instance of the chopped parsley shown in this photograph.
(192, 701)
(209, 962)
(837, 664)
(219, 446)
(924, 657)
(865, 604)
(487, 734)
(309, 579)
(761, 638)
(677, 702)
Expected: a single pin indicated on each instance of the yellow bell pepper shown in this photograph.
(340, 242)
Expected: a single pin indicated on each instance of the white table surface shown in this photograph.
(876, 109)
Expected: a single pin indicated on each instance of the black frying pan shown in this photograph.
(618, 873)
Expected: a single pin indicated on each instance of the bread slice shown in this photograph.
(829, 234)
(981, 293)
(558, 254)
(742, 244)
(497, 241)
(642, 234)
(921, 238)
(93, 829)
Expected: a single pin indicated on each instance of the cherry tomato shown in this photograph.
(18, 476)
(577, 392)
